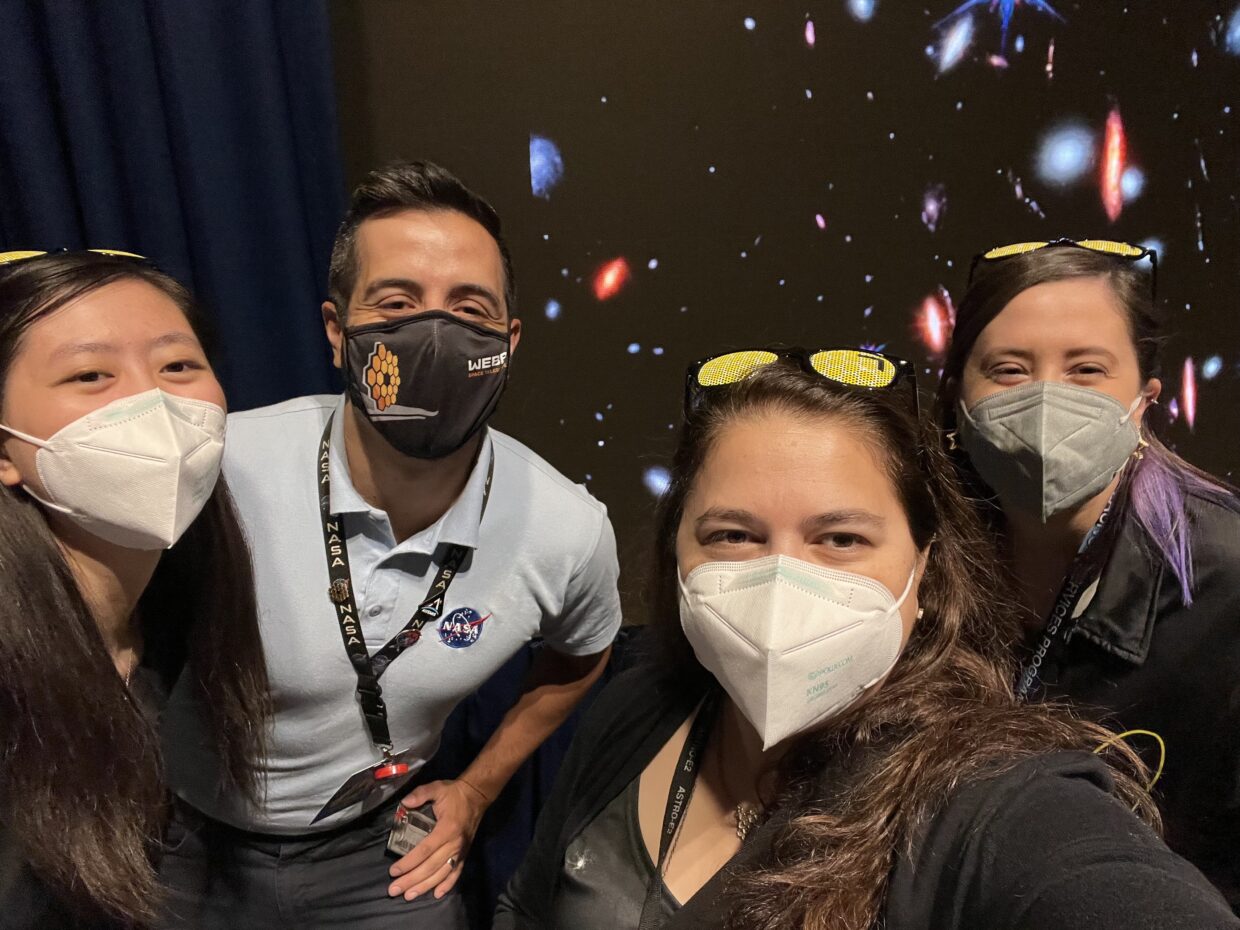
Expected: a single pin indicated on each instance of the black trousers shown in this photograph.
(221, 878)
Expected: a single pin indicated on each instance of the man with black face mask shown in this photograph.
(403, 552)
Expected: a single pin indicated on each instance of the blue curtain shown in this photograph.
(201, 133)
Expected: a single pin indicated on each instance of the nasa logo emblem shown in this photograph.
(461, 627)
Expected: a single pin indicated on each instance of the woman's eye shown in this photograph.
(844, 540)
(182, 366)
(727, 537)
(1006, 371)
(89, 377)
(1090, 370)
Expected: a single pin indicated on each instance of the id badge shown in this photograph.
(369, 786)
(409, 828)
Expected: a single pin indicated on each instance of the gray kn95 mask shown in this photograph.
(1047, 447)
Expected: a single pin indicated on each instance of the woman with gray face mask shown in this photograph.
(1125, 557)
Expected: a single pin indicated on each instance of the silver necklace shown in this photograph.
(746, 819)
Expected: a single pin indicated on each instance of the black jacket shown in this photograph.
(1042, 846)
(1137, 658)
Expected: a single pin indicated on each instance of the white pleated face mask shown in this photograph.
(135, 472)
(792, 643)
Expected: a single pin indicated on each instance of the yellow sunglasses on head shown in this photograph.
(856, 368)
(1121, 250)
(21, 255)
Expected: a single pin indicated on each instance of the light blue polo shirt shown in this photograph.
(543, 564)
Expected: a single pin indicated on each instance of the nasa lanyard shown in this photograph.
(1086, 568)
(369, 668)
(678, 795)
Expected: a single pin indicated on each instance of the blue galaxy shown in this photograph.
(546, 166)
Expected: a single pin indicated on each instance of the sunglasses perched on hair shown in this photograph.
(853, 368)
(9, 258)
(1121, 250)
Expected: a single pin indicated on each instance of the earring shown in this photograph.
(1142, 444)
(921, 612)
(951, 441)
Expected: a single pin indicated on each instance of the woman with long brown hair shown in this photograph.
(122, 568)
(828, 738)
(1125, 557)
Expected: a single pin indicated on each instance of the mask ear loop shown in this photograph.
(1162, 750)
(26, 437)
(1142, 443)
(924, 558)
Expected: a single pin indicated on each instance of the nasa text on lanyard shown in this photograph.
(370, 668)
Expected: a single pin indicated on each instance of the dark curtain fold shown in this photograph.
(201, 133)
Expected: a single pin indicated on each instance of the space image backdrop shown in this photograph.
(682, 178)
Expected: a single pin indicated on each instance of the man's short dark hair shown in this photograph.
(411, 185)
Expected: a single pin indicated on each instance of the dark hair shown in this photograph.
(945, 715)
(1159, 482)
(413, 185)
(81, 777)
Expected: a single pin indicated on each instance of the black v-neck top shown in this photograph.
(606, 871)
(1042, 845)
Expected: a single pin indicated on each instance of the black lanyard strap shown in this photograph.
(679, 793)
(1085, 570)
(340, 592)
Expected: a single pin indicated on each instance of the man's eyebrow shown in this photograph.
(400, 284)
(476, 290)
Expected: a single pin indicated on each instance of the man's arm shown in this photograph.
(556, 684)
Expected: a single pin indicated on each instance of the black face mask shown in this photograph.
(427, 382)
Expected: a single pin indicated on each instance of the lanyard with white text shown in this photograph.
(1085, 570)
(678, 795)
(340, 592)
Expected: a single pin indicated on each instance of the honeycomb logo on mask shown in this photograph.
(382, 376)
(407, 377)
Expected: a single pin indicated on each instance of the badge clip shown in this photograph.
(389, 767)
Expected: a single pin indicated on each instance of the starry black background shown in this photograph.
(644, 98)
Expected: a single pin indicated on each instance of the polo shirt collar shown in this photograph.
(345, 498)
(458, 526)
(462, 524)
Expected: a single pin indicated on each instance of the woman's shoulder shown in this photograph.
(641, 691)
(1215, 540)
(1214, 515)
(1039, 841)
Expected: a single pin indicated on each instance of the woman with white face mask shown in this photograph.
(122, 567)
(827, 736)
(1125, 558)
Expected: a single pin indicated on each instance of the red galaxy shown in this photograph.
(1114, 155)
(934, 321)
(610, 278)
(1188, 393)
